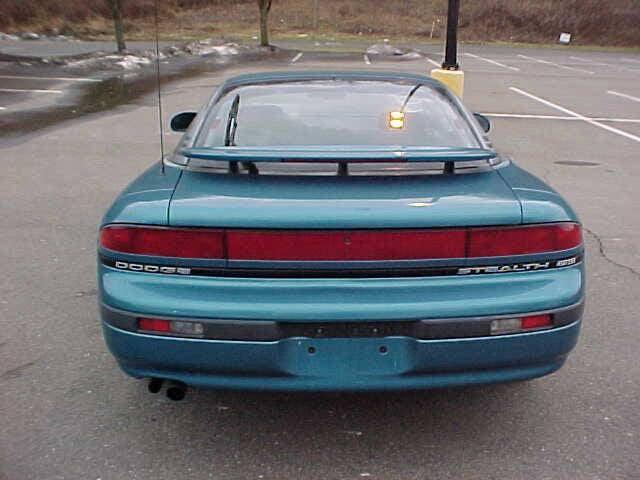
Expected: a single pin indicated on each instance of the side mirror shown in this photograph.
(483, 121)
(181, 121)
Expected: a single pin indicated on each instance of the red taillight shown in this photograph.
(535, 321)
(164, 242)
(154, 325)
(341, 245)
(506, 241)
(345, 245)
(520, 324)
(175, 327)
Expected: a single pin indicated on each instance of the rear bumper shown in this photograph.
(339, 299)
(343, 363)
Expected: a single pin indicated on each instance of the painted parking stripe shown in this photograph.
(577, 115)
(297, 57)
(20, 90)
(626, 59)
(547, 62)
(591, 62)
(623, 95)
(603, 64)
(58, 79)
(493, 62)
(3, 108)
(560, 117)
(367, 60)
(433, 62)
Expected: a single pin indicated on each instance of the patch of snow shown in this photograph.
(62, 38)
(411, 55)
(30, 36)
(85, 62)
(8, 36)
(205, 47)
(36, 36)
(384, 49)
(387, 50)
(130, 62)
(100, 60)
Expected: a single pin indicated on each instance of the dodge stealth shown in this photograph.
(338, 231)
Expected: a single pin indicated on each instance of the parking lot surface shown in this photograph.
(571, 117)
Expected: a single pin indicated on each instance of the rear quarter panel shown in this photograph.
(146, 199)
(539, 202)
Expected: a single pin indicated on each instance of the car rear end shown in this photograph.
(307, 277)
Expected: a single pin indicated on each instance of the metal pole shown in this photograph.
(451, 49)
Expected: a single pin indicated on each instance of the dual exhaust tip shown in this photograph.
(176, 391)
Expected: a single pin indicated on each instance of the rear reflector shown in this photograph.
(512, 325)
(177, 327)
(536, 321)
(341, 245)
(154, 325)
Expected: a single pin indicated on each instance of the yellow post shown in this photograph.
(453, 79)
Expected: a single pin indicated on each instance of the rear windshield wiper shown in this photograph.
(232, 123)
(230, 137)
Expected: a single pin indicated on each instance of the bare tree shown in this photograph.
(264, 6)
(316, 13)
(116, 12)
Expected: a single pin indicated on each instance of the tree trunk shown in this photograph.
(316, 13)
(116, 11)
(265, 6)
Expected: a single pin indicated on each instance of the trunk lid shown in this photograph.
(336, 202)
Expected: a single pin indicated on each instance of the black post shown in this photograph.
(451, 49)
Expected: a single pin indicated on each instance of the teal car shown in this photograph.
(331, 231)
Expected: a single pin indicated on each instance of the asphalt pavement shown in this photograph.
(570, 116)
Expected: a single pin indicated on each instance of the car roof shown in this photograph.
(297, 76)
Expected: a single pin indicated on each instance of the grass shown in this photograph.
(591, 22)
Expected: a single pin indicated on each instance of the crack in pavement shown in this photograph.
(606, 257)
(17, 371)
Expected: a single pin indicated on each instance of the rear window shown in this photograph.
(338, 112)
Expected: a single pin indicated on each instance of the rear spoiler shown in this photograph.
(340, 154)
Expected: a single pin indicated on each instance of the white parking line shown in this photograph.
(623, 95)
(20, 90)
(560, 117)
(60, 79)
(630, 60)
(297, 57)
(3, 108)
(433, 62)
(591, 62)
(516, 69)
(366, 59)
(547, 62)
(577, 115)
